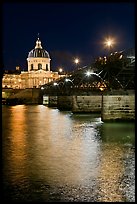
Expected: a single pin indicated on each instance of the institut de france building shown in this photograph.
(38, 73)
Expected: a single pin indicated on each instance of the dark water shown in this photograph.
(49, 155)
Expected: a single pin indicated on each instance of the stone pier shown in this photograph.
(53, 100)
(118, 107)
(87, 104)
(65, 103)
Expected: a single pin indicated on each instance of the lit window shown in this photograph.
(46, 67)
(31, 67)
(39, 66)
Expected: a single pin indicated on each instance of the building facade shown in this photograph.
(38, 72)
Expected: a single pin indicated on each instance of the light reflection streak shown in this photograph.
(17, 155)
(111, 171)
(57, 143)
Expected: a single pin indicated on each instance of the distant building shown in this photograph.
(38, 73)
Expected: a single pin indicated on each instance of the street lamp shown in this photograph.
(60, 70)
(88, 73)
(55, 84)
(69, 80)
(109, 42)
(76, 61)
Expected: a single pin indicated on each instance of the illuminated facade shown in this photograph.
(38, 71)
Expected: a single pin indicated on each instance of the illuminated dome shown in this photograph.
(38, 51)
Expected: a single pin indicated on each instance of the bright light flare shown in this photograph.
(109, 42)
(60, 69)
(66, 80)
(55, 84)
(88, 73)
(76, 61)
(120, 56)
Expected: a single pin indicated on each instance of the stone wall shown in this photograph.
(7, 92)
(52, 101)
(118, 107)
(87, 103)
(23, 96)
(64, 103)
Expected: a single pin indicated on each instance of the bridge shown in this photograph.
(107, 86)
(116, 72)
(97, 87)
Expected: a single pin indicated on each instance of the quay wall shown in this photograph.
(52, 101)
(64, 103)
(118, 107)
(114, 105)
(86, 104)
(22, 96)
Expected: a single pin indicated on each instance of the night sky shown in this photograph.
(66, 31)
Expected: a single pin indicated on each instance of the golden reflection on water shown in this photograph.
(63, 154)
(17, 160)
(48, 146)
(111, 171)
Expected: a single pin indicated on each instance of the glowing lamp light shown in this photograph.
(60, 69)
(76, 60)
(66, 80)
(55, 84)
(109, 42)
(88, 73)
(120, 56)
(101, 88)
(69, 80)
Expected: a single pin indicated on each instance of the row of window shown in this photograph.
(39, 66)
(37, 61)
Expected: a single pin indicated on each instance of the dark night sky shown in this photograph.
(66, 30)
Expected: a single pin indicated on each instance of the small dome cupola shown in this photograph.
(38, 44)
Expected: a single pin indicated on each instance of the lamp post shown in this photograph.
(109, 42)
(76, 61)
(60, 70)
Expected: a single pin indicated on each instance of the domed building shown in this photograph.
(38, 58)
(38, 73)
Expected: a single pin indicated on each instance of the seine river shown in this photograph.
(57, 156)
